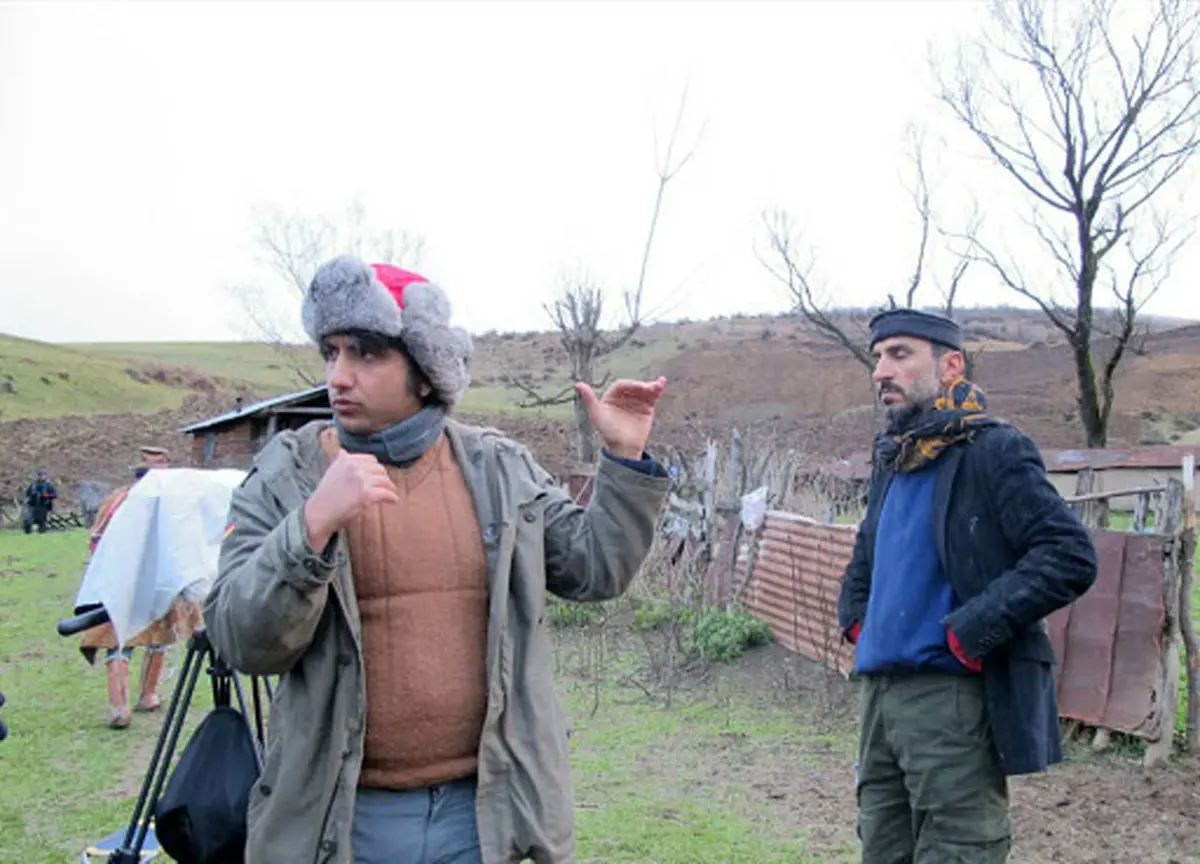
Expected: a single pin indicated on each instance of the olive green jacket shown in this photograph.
(278, 608)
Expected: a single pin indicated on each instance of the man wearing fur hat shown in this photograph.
(392, 566)
(965, 548)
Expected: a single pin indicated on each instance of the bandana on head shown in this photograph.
(957, 415)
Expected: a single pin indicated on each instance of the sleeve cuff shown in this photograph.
(646, 465)
(310, 568)
(960, 653)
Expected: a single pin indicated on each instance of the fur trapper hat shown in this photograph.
(347, 294)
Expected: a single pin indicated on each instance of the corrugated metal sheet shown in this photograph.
(1109, 642)
(259, 407)
(794, 589)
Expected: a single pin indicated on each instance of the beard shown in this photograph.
(900, 417)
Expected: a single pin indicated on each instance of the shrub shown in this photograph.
(720, 636)
(563, 615)
(656, 613)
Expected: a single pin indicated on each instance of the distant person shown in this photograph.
(391, 566)
(40, 496)
(183, 617)
(965, 548)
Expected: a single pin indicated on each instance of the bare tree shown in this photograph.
(847, 328)
(578, 316)
(293, 245)
(1093, 118)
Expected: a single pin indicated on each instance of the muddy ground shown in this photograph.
(1092, 809)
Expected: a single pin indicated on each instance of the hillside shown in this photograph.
(81, 410)
(41, 380)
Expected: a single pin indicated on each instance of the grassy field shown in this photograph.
(536, 356)
(673, 786)
(753, 762)
(265, 369)
(41, 380)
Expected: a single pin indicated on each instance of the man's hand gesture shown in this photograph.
(624, 417)
(353, 482)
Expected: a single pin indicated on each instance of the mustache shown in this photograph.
(889, 387)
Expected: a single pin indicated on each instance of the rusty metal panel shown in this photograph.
(796, 579)
(1134, 704)
(1084, 668)
(1109, 643)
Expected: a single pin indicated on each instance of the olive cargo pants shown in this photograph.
(930, 789)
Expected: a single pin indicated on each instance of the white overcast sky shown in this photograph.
(517, 139)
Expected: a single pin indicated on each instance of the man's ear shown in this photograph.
(951, 366)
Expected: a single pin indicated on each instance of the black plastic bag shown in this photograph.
(201, 816)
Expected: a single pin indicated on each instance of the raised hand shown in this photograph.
(353, 482)
(624, 417)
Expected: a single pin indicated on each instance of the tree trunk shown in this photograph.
(1095, 426)
(585, 449)
(1091, 414)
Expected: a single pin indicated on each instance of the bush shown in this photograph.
(564, 615)
(656, 613)
(720, 636)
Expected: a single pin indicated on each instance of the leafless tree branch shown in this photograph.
(578, 311)
(1093, 118)
(793, 268)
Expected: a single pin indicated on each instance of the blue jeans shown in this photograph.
(435, 825)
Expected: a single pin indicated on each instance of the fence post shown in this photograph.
(1187, 571)
(1086, 482)
(1159, 751)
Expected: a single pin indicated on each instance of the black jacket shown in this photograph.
(1014, 552)
(40, 495)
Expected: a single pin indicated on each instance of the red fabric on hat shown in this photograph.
(396, 280)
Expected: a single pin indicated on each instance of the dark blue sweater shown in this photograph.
(910, 594)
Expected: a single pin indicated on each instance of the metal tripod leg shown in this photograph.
(225, 684)
(164, 751)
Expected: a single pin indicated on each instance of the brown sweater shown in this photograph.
(420, 577)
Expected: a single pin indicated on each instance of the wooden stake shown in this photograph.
(1187, 627)
(1159, 751)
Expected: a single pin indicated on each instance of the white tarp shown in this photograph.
(163, 541)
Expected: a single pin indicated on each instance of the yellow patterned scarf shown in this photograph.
(957, 414)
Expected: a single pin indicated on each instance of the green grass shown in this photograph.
(659, 785)
(67, 778)
(267, 370)
(672, 786)
(53, 381)
(635, 807)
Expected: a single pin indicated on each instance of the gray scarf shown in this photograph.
(402, 444)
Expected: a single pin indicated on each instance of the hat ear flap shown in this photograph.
(443, 352)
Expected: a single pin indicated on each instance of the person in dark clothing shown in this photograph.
(964, 549)
(39, 502)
